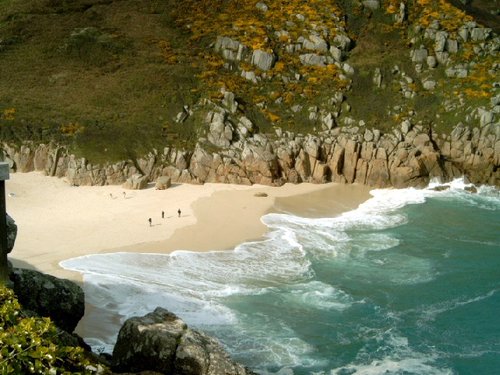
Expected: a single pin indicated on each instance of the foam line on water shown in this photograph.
(196, 285)
(415, 366)
(431, 312)
(316, 294)
(270, 342)
(393, 356)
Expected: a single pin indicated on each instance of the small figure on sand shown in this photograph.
(111, 195)
(124, 195)
(179, 212)
(150, 221)
(163, 215)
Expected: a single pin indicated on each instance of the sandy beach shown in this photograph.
(57, 221)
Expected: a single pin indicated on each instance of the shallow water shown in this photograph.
(408, 283)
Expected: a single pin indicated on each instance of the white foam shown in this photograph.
(196, 285)
(318, 295)
(430, 313)
(485, 197)
(271, 344)
(99, 346)
(191, 285)
(417, 366)
(395, 356)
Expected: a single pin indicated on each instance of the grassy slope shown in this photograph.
(114, 92)
(383, 47)
(121, 90)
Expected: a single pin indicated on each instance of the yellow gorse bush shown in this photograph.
(392, 6)
(449, 17)
(71, 128)
(9, 114)
(271, 31)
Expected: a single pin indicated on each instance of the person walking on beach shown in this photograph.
(163, 215)
(150, 221)
(179, 212)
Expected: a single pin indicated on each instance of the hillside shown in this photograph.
(115, 79)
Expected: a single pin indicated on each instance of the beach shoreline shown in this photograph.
(57, 221)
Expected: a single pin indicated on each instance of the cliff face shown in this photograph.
(379, 92)
(408, 156)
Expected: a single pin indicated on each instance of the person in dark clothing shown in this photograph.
(179, 212)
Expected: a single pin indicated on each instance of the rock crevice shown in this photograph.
(409, 156)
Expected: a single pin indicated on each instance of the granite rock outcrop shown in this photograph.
(46, 295)
(410, 155)
(161, 342)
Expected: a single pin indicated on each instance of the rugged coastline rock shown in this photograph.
(408, 156)
(443, 77)
(46, 295)
(161, 342)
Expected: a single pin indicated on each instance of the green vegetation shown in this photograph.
(108, 78)
(31, 345)
(104, 65)
(379, 44)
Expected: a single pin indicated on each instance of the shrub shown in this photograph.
(9, 114)
(30, 345)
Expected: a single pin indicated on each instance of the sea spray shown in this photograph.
(406, 283)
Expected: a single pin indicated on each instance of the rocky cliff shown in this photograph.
(380, 92)
(407, 156)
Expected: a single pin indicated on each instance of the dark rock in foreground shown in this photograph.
(161, 342)
(46, 295)
(11, 233)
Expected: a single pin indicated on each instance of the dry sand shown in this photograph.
(57, 221)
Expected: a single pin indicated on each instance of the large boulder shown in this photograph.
(312, 59)
(263, 60)
(136, 182)
(231, 49)
(220, 131)
(163, 182)
(46, 295)
(314, 42)
(162, 342)
(41, 157)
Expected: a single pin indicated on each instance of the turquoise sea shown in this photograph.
(408, 283)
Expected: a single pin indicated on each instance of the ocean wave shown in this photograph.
(208, 290)
(318, 295)
(390, 366)
(269, 341)
(393, 355)
(484, 196)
